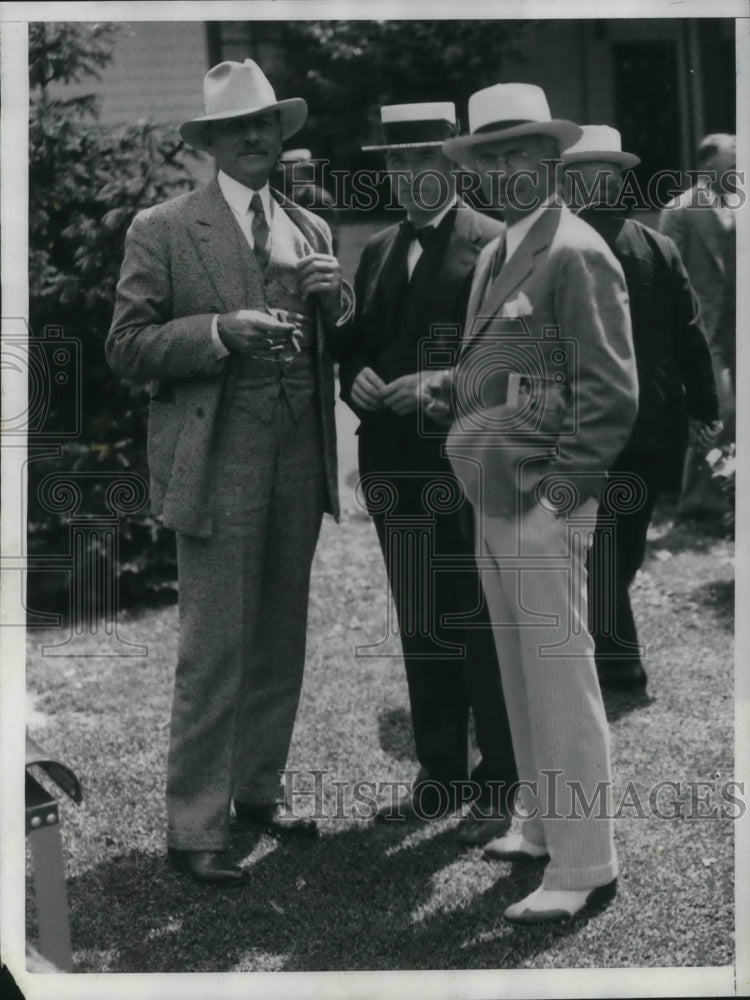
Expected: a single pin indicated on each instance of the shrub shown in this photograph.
(86, 183)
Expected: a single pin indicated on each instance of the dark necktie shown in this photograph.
(260, 230)
(425, 235)
(498, 261)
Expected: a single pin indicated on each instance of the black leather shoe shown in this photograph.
(475, 831)
(628, 676)
(207, 867)
(429, 800)
(271, 819)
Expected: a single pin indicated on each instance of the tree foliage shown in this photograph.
(347, 69)
(85, 185)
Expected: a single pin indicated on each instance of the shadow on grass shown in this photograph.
(364, 898)
(717, 598)
(620, 703)
(680, 534)
(395, 734)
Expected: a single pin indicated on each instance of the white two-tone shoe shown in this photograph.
(514, 847)
(554, 906)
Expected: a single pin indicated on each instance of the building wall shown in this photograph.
(156, 73)
(158, 68)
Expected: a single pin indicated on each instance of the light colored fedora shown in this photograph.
(507, 110)
(233, 90)
(411, 126)
(600, 142)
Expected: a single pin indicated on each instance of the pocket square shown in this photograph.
(519, 306)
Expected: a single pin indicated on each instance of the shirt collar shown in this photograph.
(517, 230)
(437, 219)
(238, 196)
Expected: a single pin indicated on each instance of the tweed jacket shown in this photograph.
(556, 318)
(185, 261)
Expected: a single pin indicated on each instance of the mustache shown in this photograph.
(259, 150)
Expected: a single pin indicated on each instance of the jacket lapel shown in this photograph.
(516, 270)
(219, 242)
(458, 261)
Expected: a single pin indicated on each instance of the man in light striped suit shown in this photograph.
(545, 394)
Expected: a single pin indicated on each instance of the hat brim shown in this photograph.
(292, 115)
(564, 132)
(403, 145)
(625, 160)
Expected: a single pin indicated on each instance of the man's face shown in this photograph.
(593, 182)
(247, 148)
(512, 172)
(722, 161)
(428, 180)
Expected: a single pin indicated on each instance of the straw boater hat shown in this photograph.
(411, 126)
(601, 143)
(295, 155)
(233, 90)
(507, 110)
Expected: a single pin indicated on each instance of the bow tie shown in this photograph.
(425, 235)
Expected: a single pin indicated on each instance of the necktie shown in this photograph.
(425, 235)
(260, 229)
(498, 261)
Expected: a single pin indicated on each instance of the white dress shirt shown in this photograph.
(238, 197)
(415, 247)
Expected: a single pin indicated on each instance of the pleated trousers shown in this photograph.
(243, 601)
(533, 571)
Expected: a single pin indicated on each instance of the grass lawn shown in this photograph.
(392, 896)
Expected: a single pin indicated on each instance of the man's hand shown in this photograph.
(402, 395)
(367, 391)
(437, 397)
(320, 275)
(250, 331)
(704, 435)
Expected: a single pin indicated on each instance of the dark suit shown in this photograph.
(426, 514)
(704, 232)
(675, 380)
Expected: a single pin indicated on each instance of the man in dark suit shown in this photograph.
(701, 221)
(675, 384)
(226, 305)
(411, 288)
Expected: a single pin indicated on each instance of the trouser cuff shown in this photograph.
(579, 878)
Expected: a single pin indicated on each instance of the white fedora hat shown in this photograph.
(600, 142)
(233, 90)
(411, 126)
(507, 110)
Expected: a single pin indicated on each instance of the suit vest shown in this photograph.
(260, 380)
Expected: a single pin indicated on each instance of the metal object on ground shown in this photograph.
(43, 831)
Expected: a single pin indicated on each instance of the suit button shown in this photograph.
(199, 412)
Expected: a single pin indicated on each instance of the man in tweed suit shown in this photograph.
(545, 395)
(227, 304)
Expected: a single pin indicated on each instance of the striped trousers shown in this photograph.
(533, 571)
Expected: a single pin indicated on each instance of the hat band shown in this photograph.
(433, 130)
(502, 125)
